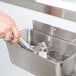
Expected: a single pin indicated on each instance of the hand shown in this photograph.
(8, 28)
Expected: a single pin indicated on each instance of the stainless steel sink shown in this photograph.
(61, 51)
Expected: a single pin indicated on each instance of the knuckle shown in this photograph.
(7, 39)
(2, 31)
(17, 35)
(2, 36)
(9, 27)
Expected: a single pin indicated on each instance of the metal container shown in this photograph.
(60, 54)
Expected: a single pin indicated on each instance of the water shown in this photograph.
(42, 50)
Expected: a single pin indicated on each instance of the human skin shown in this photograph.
(8, 28)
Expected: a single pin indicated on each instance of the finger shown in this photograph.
(8, 36)
(16, 35)
(2, 35)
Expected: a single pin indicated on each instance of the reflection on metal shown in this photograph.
(52, 56)
(72, 42)
(51, 10)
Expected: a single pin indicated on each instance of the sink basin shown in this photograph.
(60, 53)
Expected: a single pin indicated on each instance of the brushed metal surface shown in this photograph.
(64, 34)
(53, 42)
(37, 37)
(56, 41)
(59, 45)
(69, 65)
(38, 65)
(31, 62)
(54, 31)
(41, 27)
(51, 10)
